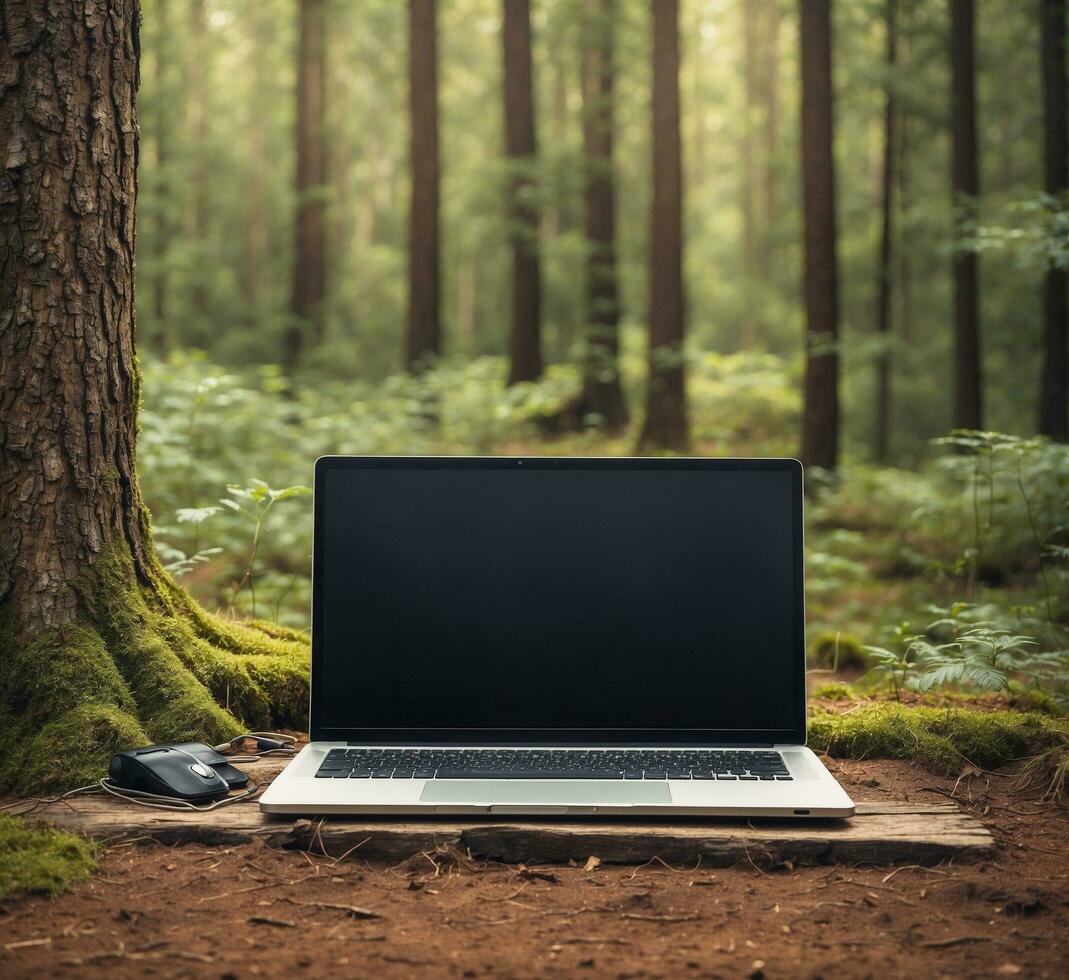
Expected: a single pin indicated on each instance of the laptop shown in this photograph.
(571, 636)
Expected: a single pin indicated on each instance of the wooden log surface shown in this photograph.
(880, 833)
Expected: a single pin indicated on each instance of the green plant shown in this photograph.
(255, 501)
(960, 648)
(898, 666)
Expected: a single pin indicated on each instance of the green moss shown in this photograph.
(57, 671)
(833, 691)
(139, 669)
(72, 750)
(836, 650)
(1034, 699)
(942, 739)
(46, 860)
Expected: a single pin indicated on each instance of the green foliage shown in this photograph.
(942, 739)
(962, 650)
(41, 861)
(208, 433)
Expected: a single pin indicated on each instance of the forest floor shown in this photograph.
(253, 910)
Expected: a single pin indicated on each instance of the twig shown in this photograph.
(659, 918)
(266, 920)
(353, 911)
(958, 940)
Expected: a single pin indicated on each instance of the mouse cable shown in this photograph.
(270, 743)
(160, 802)
(139, 797)
(36, 801)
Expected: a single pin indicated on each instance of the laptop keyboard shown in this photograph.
(727, 764)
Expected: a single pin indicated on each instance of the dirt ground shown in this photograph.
(228, 912)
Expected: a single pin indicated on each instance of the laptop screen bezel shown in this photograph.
(793, 731)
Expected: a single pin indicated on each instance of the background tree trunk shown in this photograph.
(101, 649)
(602, 393)
(309, 268)
(160, 281)
(199, 74)
(885, 259)
(256, 241)
(424, 330)
(525, 338)
(820, 424)
(1054, 383)
(748, 197)
(666, 424)
(965, 179)
(771, 137)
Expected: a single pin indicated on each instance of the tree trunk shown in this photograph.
(424, 329)
(602, 395)
(1054, 382)
(666, 426)
(309, 267)
(525, 339)
(256, 240)
(820, 424)
(885, 259)
(771, 141)
(101, 650)
(163, 189)
(965, 176)
(905, 205)
(198, 128)
(748, 197)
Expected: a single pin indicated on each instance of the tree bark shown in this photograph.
(820, 424)
(666, 425)
(1054, 381)
(885, 259)
(307, 324)
(602, 395)
(965, 180)
(424, 289)
(525, 338)
(68, 381)
(100, 649)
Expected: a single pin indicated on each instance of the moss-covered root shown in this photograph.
(944, 740)
(137, 670)
(40, 861)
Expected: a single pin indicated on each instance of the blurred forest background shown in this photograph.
(586, 226)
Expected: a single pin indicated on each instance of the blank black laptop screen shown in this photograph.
(550, 596)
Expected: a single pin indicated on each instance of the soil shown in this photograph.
(199, 911)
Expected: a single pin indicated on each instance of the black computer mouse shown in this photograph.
(169, 771)
(234, 777)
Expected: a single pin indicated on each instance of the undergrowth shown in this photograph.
(43, 861)
(944, 740)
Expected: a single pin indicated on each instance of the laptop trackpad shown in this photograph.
(600, 792)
